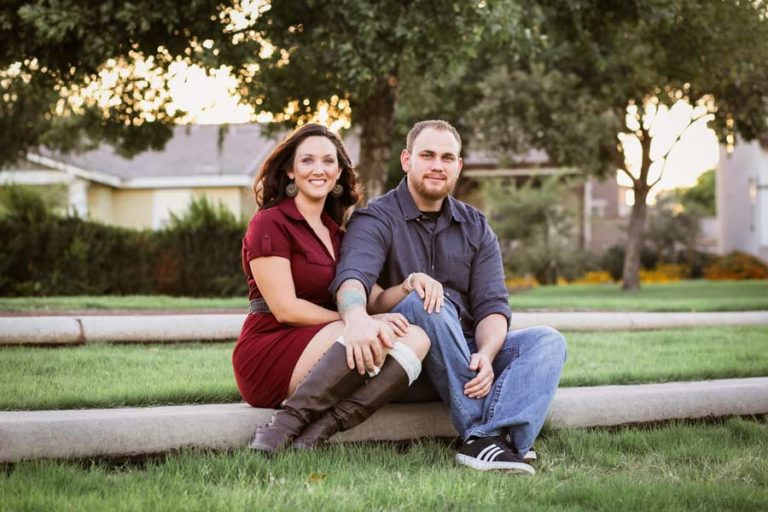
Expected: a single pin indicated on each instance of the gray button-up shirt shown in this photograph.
(390, 238)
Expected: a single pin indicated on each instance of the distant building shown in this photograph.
(603, 205)
(142, 192)
(742, 199)
(221, 163)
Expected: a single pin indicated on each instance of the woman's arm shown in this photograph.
(428, 289)
(275, 281)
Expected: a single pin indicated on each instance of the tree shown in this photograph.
(535, 223)
(701, 195)
(360, 51)
(289, 59)
(51, 51)
(596, 69)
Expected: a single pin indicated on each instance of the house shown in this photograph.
(742, 198)
(220, 163)
(603, 205)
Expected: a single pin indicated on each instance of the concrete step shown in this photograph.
(120, 432)
(22, 330)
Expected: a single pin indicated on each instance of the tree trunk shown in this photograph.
(377, 116)
(636, 236)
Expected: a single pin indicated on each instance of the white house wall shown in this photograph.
(742, 199)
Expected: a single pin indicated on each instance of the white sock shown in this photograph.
(408, 359)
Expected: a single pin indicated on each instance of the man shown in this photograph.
(498, 384)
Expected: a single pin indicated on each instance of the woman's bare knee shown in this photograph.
(417, 340)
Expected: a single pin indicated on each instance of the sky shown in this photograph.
(208, 100)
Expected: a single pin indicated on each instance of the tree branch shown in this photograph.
(629, 174)
(674, 143)
(682, 132)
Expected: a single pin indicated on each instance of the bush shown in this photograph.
(200, 253)
(45, 254)
(736, 265)
(613, 260)
(536, 226)
(695, 261)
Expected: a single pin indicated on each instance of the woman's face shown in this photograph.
(315, 168)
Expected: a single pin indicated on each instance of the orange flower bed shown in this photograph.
(665, 273)
(734, 266)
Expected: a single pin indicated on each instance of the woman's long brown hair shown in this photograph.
(270, 183)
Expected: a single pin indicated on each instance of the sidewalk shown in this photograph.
(118, 432)
(91, 328)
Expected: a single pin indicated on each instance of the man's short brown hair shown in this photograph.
(437, 124)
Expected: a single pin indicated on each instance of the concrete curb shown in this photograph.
(118, 432)
(174, 328)
(620, 321)
(161, 328)
(40, 330)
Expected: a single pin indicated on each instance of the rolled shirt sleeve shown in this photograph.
(488, 292)
(267, 236)
(363, 251)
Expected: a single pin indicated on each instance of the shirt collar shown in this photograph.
(288, 208)
(410, 211)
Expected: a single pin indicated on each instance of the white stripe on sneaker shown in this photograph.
(495, 454)
(485, 451)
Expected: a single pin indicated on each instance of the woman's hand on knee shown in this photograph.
(430, 290)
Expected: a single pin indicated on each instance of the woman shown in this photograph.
(290, 343)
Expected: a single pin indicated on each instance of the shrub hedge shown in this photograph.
(197, 254)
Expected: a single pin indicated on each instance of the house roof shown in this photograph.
(193, 156)
(192, 151)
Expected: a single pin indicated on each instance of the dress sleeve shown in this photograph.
(267, 235)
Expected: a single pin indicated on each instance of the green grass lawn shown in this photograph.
(121, 375)
(682, 296)
(111, 302)
(719, 466)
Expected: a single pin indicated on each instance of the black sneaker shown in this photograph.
(487, 453)
(529, 456)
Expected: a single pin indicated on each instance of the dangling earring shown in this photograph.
(337, 190)
(291, 189)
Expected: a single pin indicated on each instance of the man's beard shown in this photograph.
(434, 194)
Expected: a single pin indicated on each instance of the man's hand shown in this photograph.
(396, 321)
(479, 386)
(365, 339)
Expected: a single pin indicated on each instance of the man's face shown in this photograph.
(434, 164)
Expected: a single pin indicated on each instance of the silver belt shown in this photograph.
(258, 306)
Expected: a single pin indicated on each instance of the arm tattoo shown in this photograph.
(350, 296)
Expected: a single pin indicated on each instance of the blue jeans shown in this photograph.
(526, 374)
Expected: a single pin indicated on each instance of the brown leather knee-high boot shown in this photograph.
(391, 382)
(329, 381)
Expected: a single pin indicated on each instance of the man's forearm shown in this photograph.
(490, 334)
(350, 298)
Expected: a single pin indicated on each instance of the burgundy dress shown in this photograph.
(267, 351)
